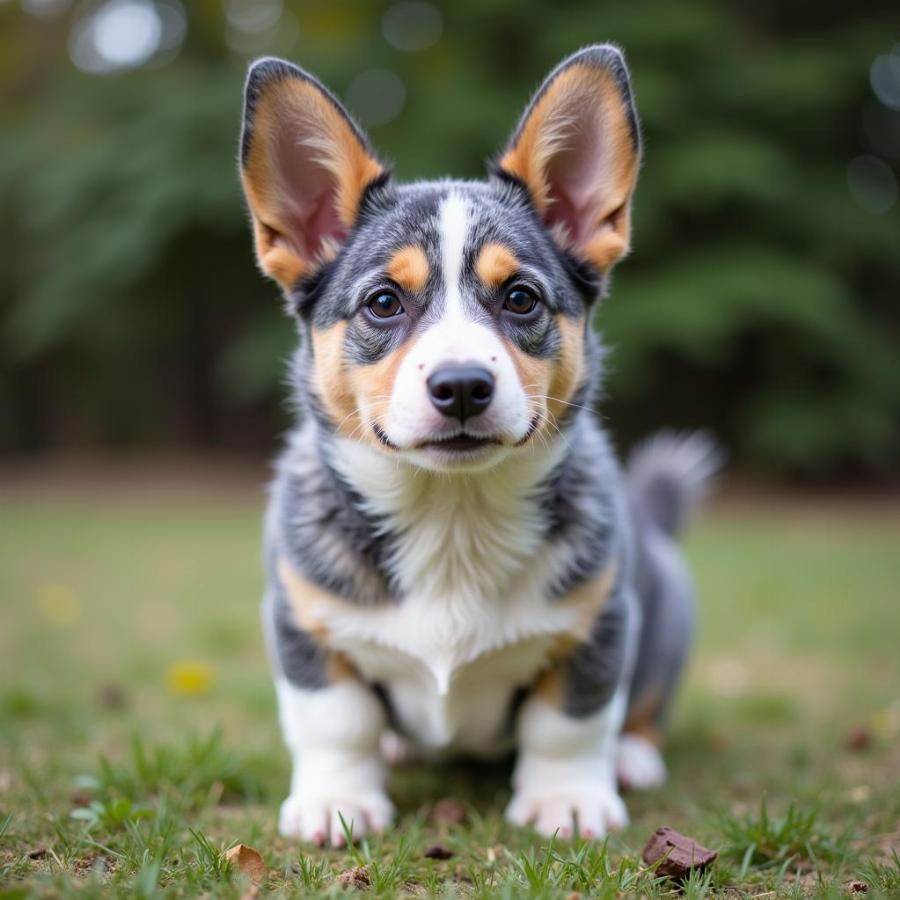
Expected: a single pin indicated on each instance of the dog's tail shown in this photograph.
(669, 474)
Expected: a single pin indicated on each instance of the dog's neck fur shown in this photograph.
(463, 535)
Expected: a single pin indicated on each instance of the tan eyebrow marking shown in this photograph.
(408, 267)
(495, 264)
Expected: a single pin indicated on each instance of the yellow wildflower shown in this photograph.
(189, 677)
(59, 605)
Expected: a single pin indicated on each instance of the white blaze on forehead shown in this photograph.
(454, 225)
(460, 335)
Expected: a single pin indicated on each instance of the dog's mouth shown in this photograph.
(462, 444)
(459, 443)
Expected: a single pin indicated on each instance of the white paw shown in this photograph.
(317, 817)
(594, 806)
(396, 750)
(639, 764)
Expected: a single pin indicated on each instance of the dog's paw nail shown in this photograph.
(597, 809)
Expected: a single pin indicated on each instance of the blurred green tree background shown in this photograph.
(761, 298)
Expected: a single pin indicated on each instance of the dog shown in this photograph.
(455, 562)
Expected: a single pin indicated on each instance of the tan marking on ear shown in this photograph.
(408, 267)
(292, 103)
(610, 242)
(547, 132)
(332, 377)
(338, 150)
(568, 373)
(496, 264)
(549, 125)
(274, 254)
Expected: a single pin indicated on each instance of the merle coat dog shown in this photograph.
(456, 563)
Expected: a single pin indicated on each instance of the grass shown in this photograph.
(138, 737)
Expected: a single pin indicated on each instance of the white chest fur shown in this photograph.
(475, 620)
(450, 670)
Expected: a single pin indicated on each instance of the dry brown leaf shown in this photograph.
(676, 855)
(249, 861)
(858, 738)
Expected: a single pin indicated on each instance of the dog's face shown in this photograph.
(446, 322)
(447, 326)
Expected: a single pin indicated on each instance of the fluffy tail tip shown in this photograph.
(670, 473)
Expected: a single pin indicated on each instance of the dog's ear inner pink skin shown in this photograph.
(577, 150)
(304, 168)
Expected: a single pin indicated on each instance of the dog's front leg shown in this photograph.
(565, 770)
(331, 720)
(568, 730)
(333, 735)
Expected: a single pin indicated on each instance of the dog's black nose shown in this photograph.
(461, 391)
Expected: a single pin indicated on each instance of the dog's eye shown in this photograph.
(385, 305)
(519, 300)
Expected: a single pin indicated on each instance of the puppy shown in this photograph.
(453, 554)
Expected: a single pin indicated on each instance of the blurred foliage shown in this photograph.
(760, 300)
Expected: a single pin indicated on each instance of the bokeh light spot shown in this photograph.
(121, 34)
(376, 96)
(254, 28)
(253, 16)
(174, 24)
(872, 184)
(412, 25)
(884, 77)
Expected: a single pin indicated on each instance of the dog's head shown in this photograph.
(445, 322)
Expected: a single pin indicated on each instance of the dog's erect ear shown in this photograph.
(305, 166)
(577, 150)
